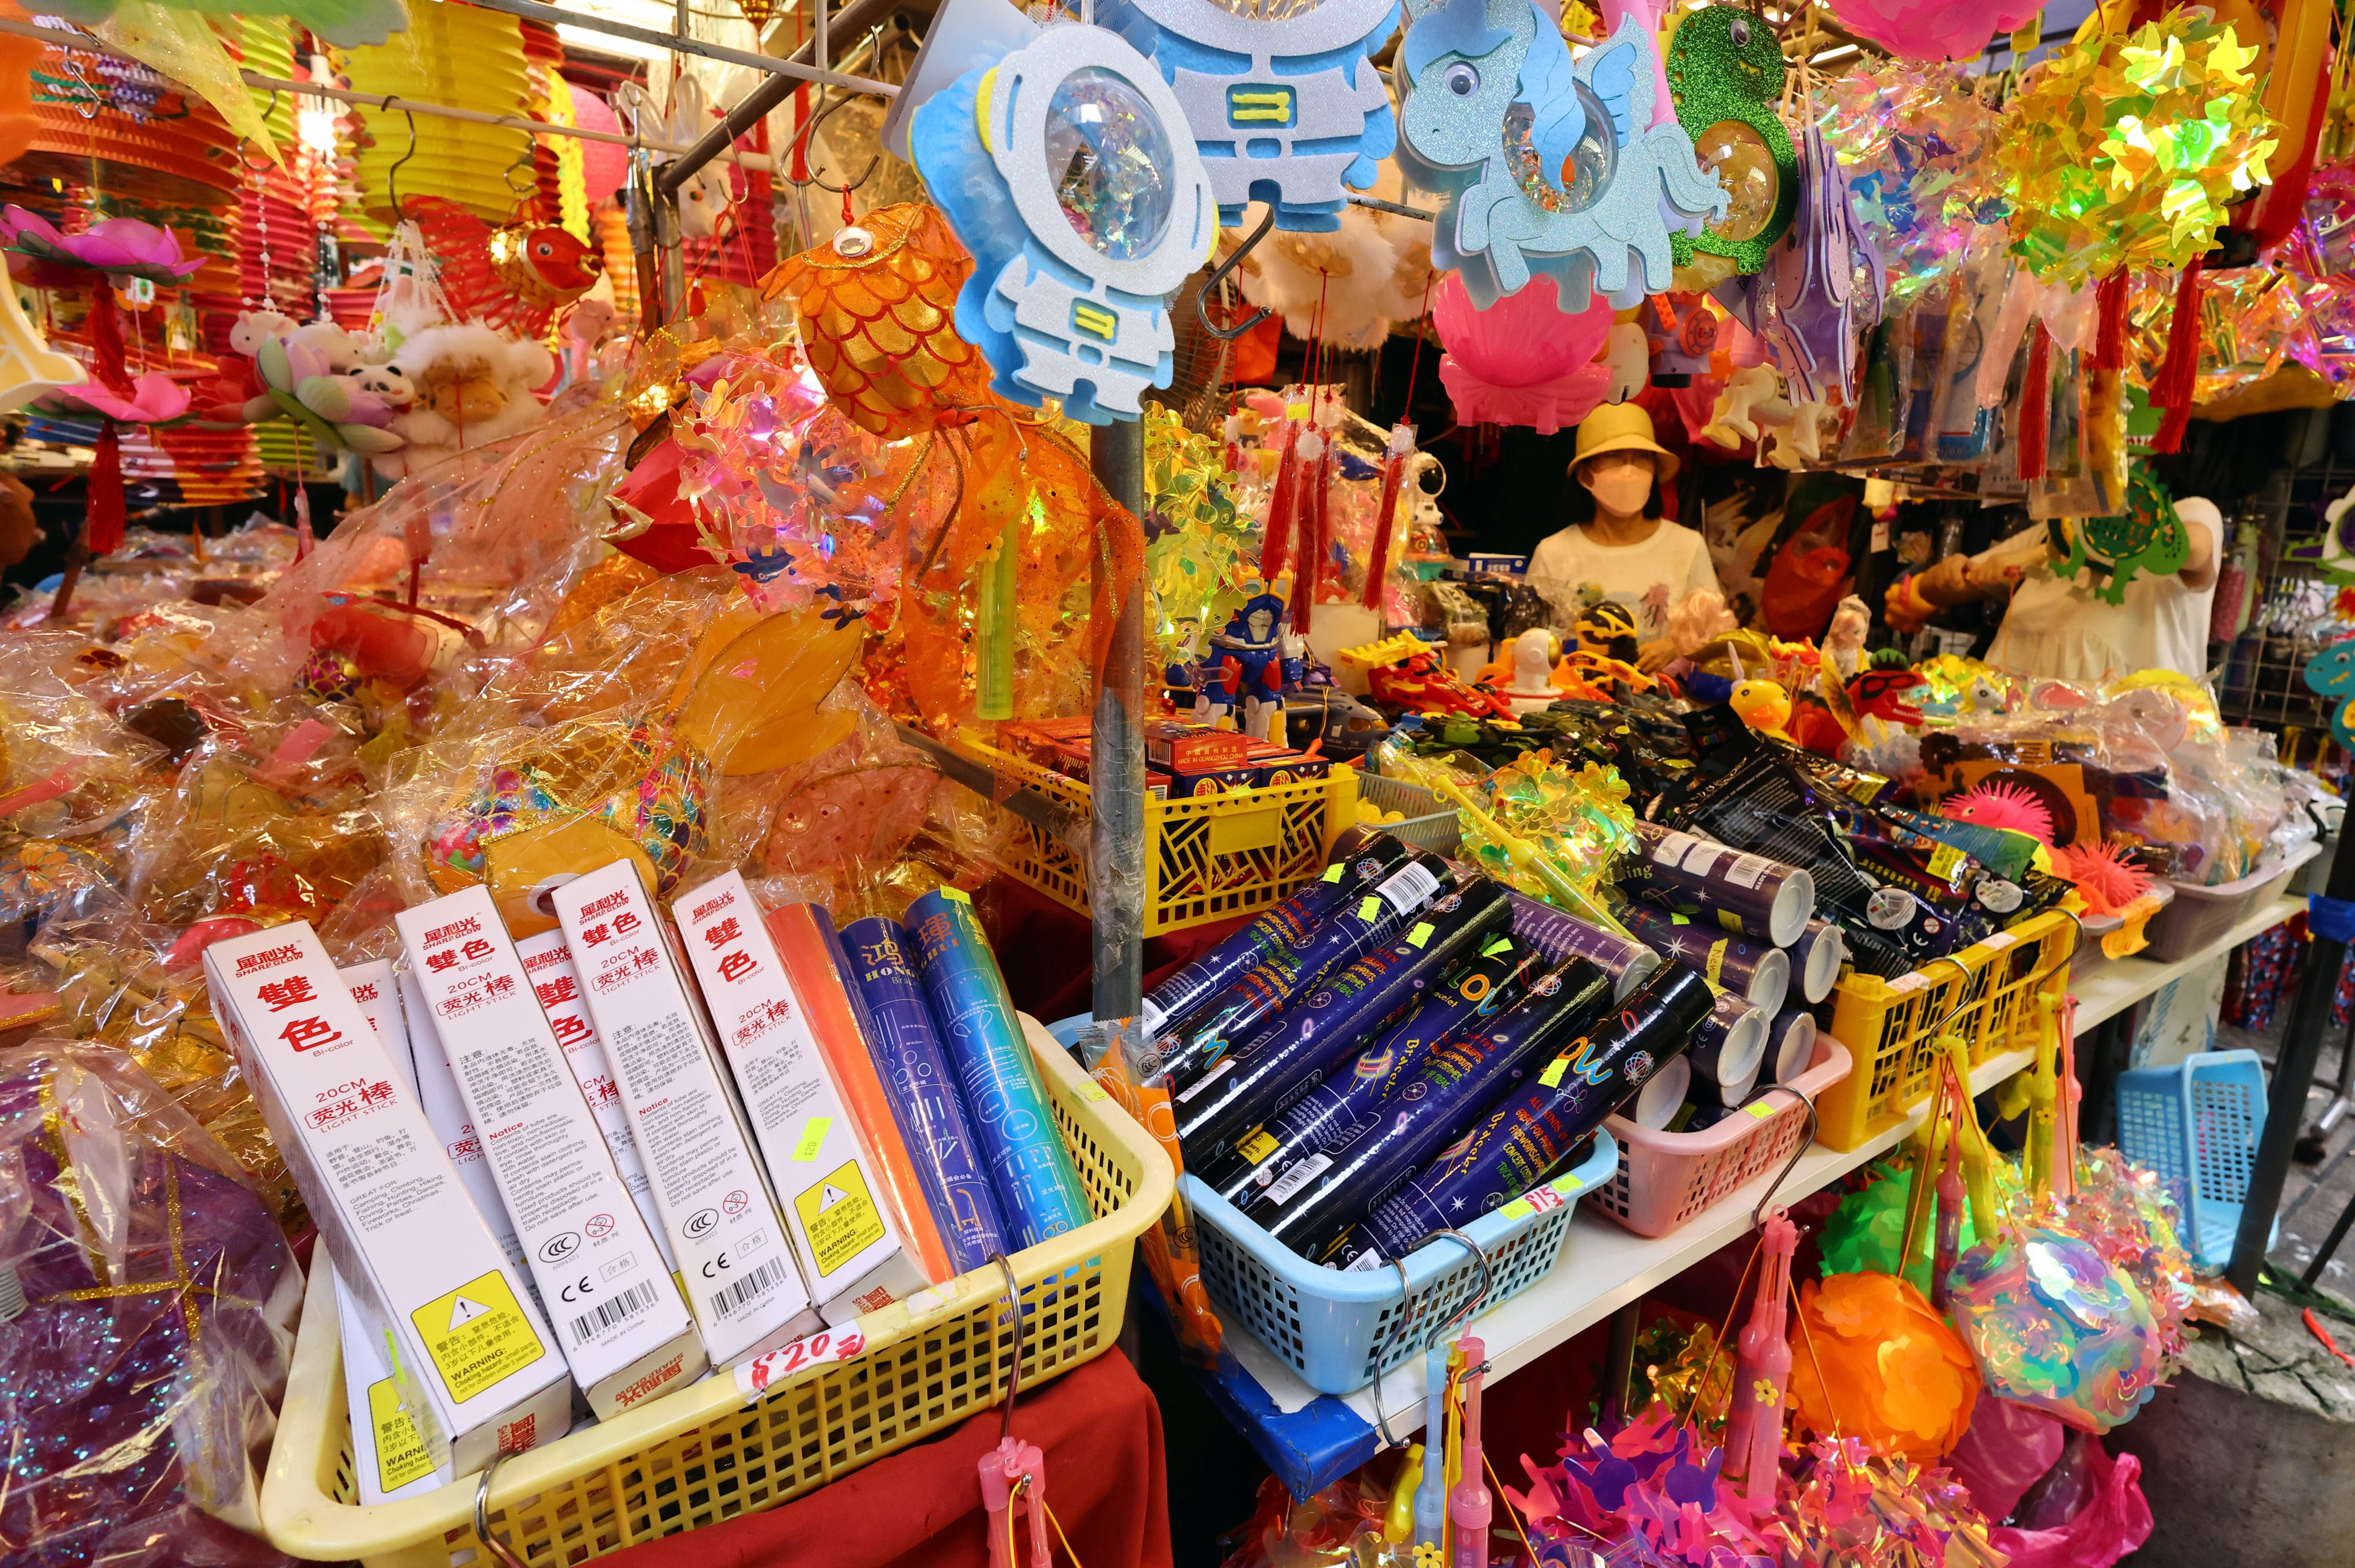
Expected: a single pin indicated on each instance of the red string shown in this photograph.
(1415, 367)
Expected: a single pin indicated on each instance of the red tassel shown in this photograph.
(103, 533)
(106, 366)
(1316, 482)
(1280, 506)
(2179, 377)
(2110, 305)
(2036, 404)
(1386, 513)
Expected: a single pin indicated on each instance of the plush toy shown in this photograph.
(388, 382)
(471, 387)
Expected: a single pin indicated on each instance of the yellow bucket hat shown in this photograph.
(1622, 427)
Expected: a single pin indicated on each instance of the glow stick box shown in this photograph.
(476, 1368)
(731, 1245)
(388, 1457)
(834, 1193)
(615, 1309)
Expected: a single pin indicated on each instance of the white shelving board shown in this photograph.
(2115, 988)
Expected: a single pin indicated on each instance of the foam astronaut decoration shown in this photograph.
(1287, 111)
(1067, 169)
(1543, 163)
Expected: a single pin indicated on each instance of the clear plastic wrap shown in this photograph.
(137, 1383)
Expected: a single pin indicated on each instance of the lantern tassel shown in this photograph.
(2179, 374)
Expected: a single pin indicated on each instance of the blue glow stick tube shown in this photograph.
(923, 1093)
(1039, 1191)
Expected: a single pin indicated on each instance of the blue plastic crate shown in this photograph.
(1329, 1326)
(2197, 1123)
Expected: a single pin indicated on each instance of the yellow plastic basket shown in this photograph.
(1885, 1024)
(703, 1454)
(1208, 857)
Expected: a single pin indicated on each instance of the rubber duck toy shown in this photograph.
(1764, 705)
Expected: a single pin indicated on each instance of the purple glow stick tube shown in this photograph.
(1817, 958)
(1749, 894)
(1761, 974)
(1558, 935)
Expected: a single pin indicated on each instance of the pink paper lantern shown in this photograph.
(604, 166)
(1931, 30)
(1522, 361)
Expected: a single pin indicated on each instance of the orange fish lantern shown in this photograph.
(517, 276)
(877, 305)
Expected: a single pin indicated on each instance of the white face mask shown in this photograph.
(1621, 489)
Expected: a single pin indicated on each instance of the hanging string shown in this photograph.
(1415, 367)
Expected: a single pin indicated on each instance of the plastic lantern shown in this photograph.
(1521, 361)
(1872, 1360)
(1588, 189)
(1931, 30)
(1066, 170)
(2055, 1325)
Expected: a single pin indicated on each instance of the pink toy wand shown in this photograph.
(1950, 1218)
(1762, 1376)
(1469, 1506)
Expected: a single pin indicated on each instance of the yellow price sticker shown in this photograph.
(1552, 1076)
(956, 895)
(1091, 1090)
(1368, 908)
(813, 1138)
(1333, 872)
(1760, 1110)
(1420, 934)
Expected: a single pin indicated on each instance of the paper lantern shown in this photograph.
(1070, 156)
(1544, 166)
(1931, 30)
(1521, 362)
(1286, 107)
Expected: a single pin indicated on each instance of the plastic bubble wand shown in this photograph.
(1526, 856)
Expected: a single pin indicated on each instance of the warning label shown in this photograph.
(400, 1455)
(839, 1217)
(477, 1335)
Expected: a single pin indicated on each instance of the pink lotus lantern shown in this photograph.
(1931, 30)
(1521, 361)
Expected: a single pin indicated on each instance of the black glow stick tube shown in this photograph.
(1760, 973)
(1237, 1013)
(1310, 1205)
(1528, 1135)
(1476, 989)
(1292, 1054)
(1270, 933)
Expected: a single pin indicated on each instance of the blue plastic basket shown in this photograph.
(2197, 1123)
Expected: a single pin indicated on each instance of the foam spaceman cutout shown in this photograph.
(1544, 164)
(1287, 111)
(1067, 169)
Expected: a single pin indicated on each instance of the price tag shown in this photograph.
(1760, 1110)
(1552, 1076)
(956, 895)
(1091, 1090)
(1420, 934)
(813, 1138)
(816, 1350)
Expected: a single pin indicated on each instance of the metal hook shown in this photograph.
(1798, 1150)
(392, 174)
(523, 160)
(272, 108)
(1406, 1304)
(800, 146)
(491, 1543)
(1218, 275)
(93, 101)
(1014, 1373)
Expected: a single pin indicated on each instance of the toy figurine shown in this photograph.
(1246, 663)
(1407, 673)
(1764, 705)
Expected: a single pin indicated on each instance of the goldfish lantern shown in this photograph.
(1066, 169)
(1878, 1362)
(1518, 362)
(2055, 1325)
(515, 277)
(586, 792)
(876, 305)
(1288, 108)
(1588, 189)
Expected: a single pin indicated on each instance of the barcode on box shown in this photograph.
(727, 1302)
(617, 1309)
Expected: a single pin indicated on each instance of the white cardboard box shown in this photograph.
(557, 984)
(853, 1256)
(425, 1067)
(732, 1246)
(615, 1308)
(477, 1369)
(388, 1457)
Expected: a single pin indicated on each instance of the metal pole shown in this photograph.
(554, 15)
(750, 109)
(2292, 1077)
(1116, 846)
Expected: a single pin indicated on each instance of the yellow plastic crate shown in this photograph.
(1886, 1024)
(703, 1454)
(1208, 858)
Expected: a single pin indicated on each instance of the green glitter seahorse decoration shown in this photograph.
(1725, 64)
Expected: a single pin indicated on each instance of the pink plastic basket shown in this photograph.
(1667, 1179)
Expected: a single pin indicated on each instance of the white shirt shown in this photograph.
(2057, 628)
(1650, 579)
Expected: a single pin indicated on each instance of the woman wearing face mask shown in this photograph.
(1625, 552)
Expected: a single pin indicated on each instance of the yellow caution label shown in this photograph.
(1552, 1076)
(839, 1217)
(400, 1455)
(477, 1335)
(813, 1138)
(1258, 1147)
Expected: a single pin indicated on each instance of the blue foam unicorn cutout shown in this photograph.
(1492, 109)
